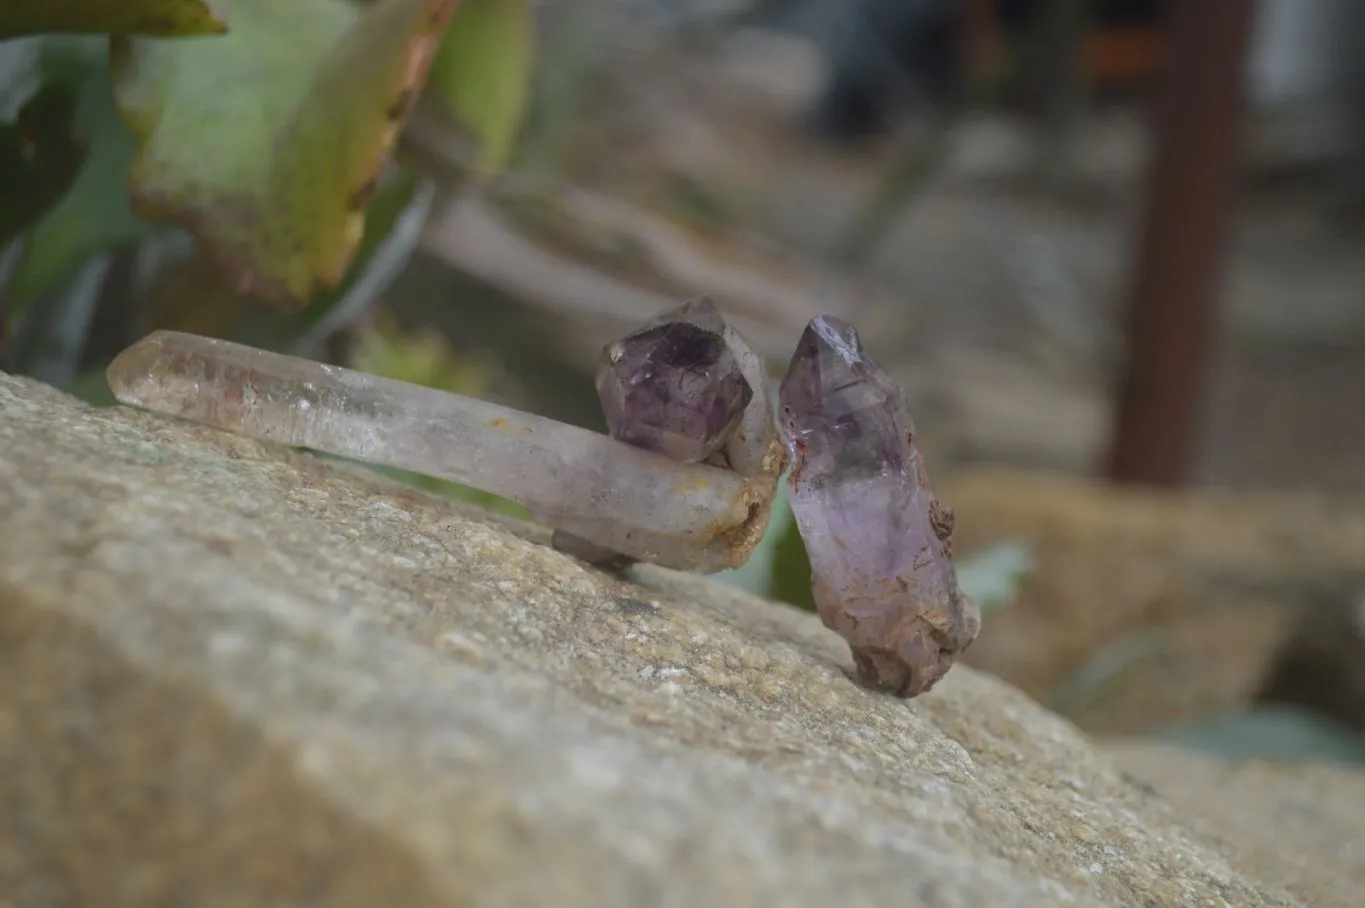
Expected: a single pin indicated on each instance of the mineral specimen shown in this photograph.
(674, 386)
(753, 448)
(687, 385)
(878, 541)
(638, 503)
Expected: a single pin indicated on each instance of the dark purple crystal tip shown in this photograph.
(674, 387)
(879, 543)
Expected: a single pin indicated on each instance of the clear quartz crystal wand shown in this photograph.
(641, 504)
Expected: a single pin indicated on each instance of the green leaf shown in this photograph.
(93, 388)
(1272, 733)
(267, 144)
(791, 566)
(992, 577)
(382, 255)
(93, 215)
(191, 295)
(163, 18)
(482, 74)
(40, 156)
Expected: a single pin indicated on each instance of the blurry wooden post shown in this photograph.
(1173, 290)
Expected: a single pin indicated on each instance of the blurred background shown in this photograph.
(1112, 250)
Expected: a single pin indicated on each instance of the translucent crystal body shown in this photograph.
(704, 392)
(688, 516)
(878, 541)
(674, 386)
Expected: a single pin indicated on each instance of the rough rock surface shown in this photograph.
(233, 676)
(1200, 593)
(1260, 807)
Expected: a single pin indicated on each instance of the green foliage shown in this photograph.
(482, 73)
(421, 357)
(279, 330)
(193, 295)
(39, 157)
(791, 566)
(267, 143)
(163, 18)
(268, 137)
(93, 215)
(992, 576)
(1273, 733)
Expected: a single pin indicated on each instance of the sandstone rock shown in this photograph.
(234, 676)
(1150, 609)
(1257, 807)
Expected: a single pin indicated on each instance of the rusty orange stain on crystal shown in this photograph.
(690, 484)
(500, 423)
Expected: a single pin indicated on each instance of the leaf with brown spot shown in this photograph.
(266, 143)
(161, 18)
(191, 295)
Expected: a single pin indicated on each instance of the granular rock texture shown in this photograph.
(234, 676)
(1299, 823)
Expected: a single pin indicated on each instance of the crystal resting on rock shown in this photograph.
(749, 447)
(683, 385)
(674, 386)
(641, 504)
(752, 447)
(878, 541)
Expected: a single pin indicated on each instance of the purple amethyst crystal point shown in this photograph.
(878, 541)
(674, 387)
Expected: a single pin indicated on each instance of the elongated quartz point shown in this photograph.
(685, 516)
(879, 543)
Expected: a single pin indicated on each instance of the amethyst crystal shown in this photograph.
(683, 386)
(878, 541)
(674, 386)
